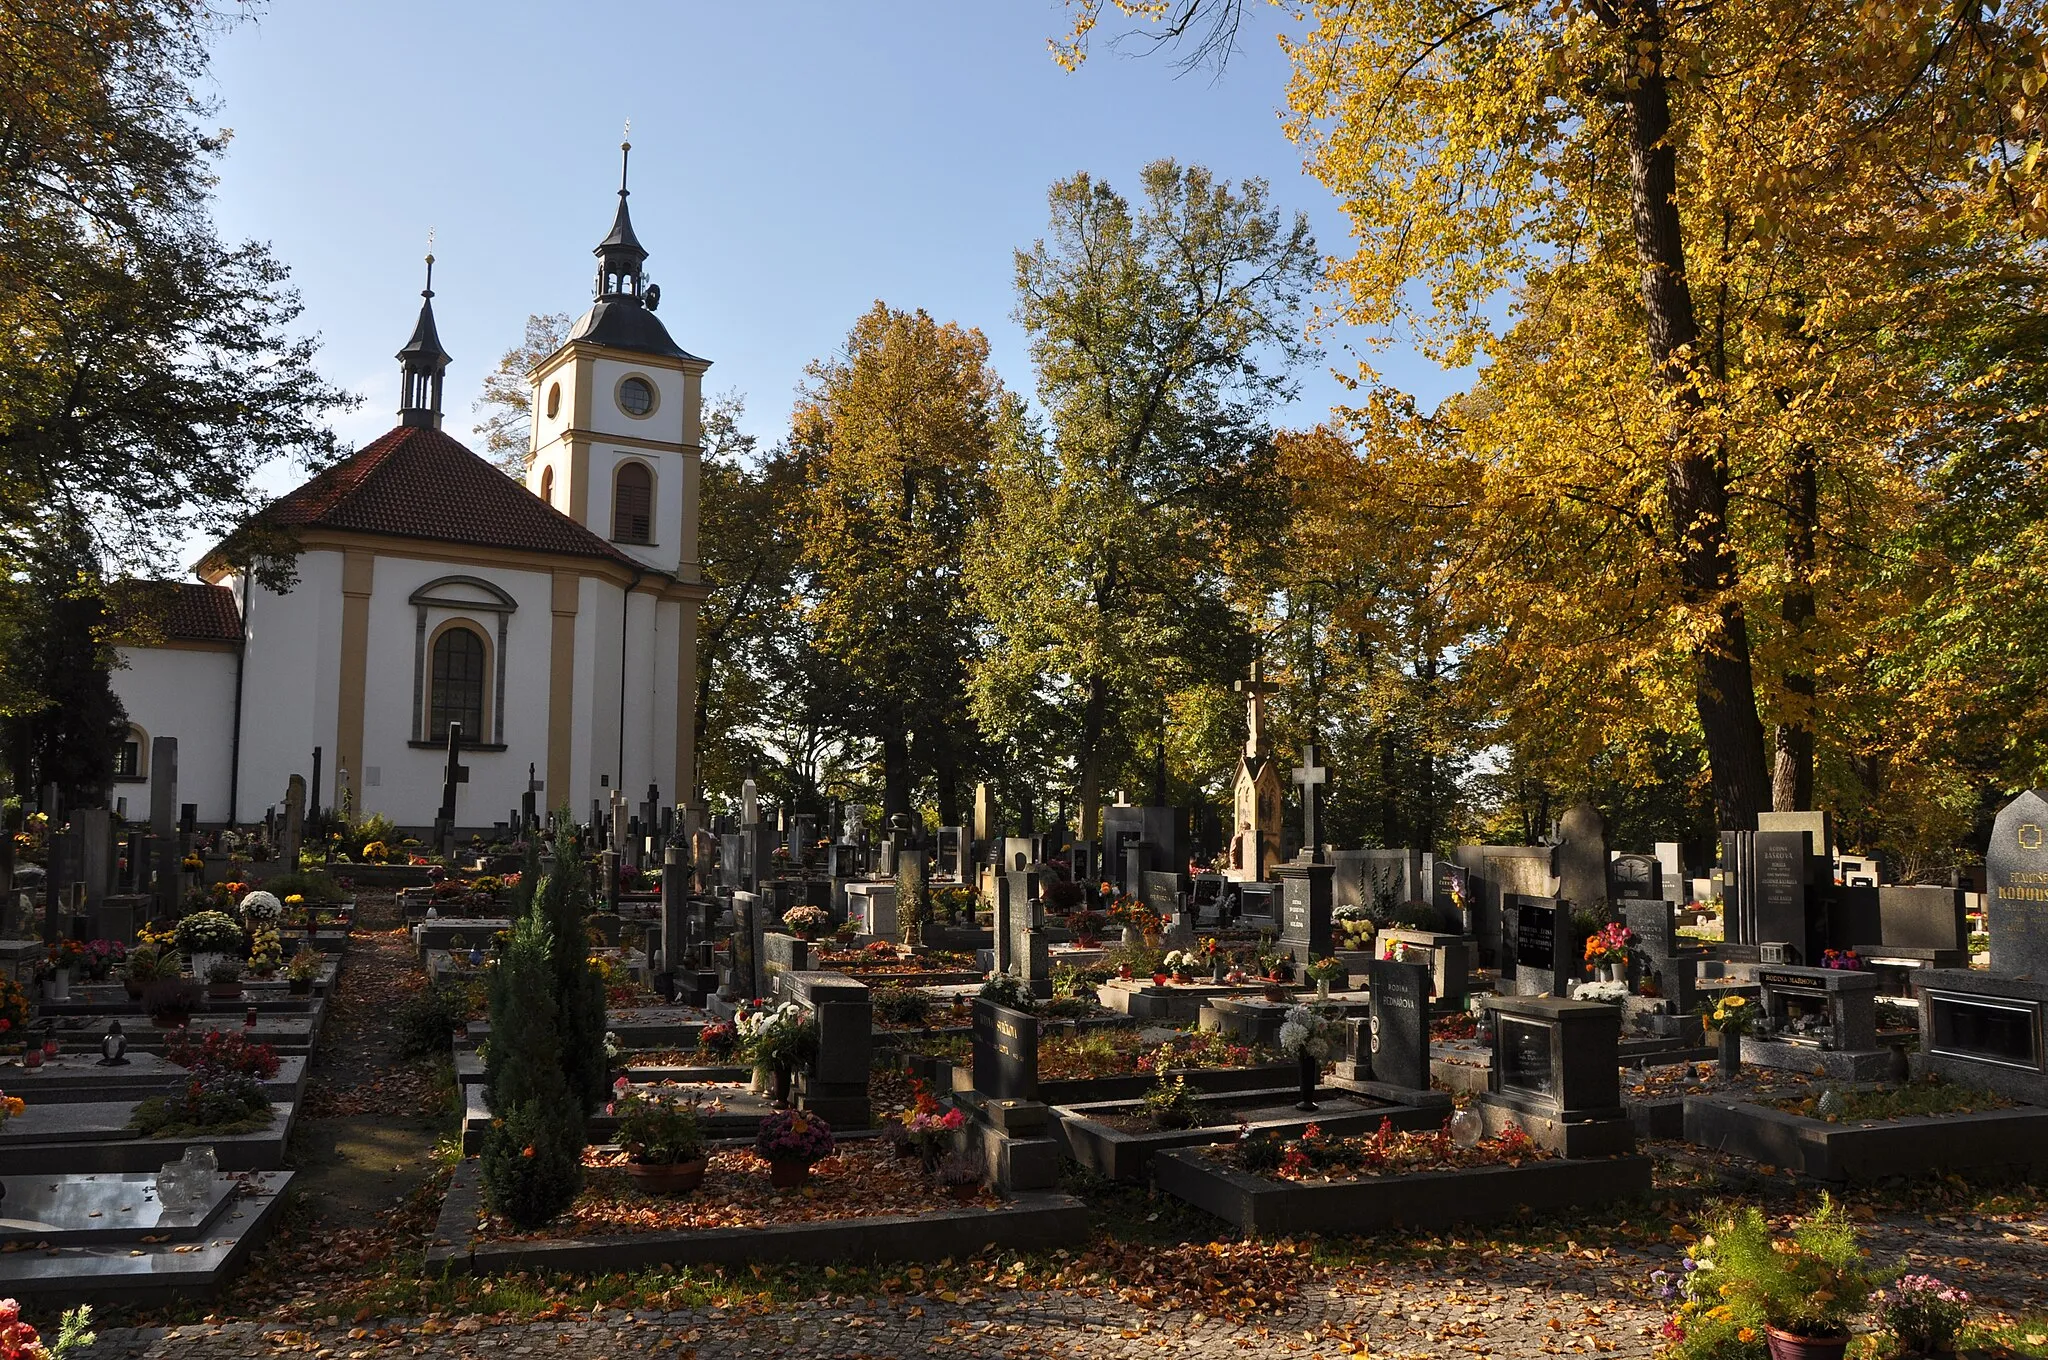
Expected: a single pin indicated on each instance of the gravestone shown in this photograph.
(1671, 860)
(1634, 876)
(912, 902)
(1005, 1052)
(872, 909)
(1306, 901)
(2016, 888)
(1581, 857)
(1444, 956)
(749, 914)
(163, 827)
(835, 1084)
(1400, 1023)
(1545, 962)
(1782, 863)
(984, 828)
(951, 855)
(294, 831)
(1029, 959)
(1556, 1074)
(1255, 791)
(1921, 917)
(1162, 893)
(675, 928)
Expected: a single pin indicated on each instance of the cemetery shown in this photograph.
(1446, 771)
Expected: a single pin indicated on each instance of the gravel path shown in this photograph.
(1540, 1303)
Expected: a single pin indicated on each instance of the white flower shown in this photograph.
(1292, 1036)
(1612, 993)
(261, 906)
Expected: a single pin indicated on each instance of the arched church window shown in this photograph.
(632, 504)
(459, 675)
(547, 485)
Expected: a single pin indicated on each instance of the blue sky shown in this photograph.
(792, 163)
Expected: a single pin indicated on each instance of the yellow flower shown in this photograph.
(1746, 1334)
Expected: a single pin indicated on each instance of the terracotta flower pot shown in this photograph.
(1792, 1346)
(133, 987)
(787, 1174)
(223, 991)
(964, 1193)
(667, 1178)
(300, 986)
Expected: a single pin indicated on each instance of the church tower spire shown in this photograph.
(620, 256)
(421, 365)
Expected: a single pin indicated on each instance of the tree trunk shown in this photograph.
(1792, 779)
(895, 769)
(1094, 716)
(1696, 479)
(946, 775)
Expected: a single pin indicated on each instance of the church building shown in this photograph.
(555, 621)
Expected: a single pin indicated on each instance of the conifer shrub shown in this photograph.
(564, 901)
(532, 1153)
(533, 1163)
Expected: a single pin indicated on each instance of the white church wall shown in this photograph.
(641, 764)
(662, 750)
(663, 423)
(403, 781)
(291, 685)
(188, 694)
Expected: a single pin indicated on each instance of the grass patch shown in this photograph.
(2025, 1335)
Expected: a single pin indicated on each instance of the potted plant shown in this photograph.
(303, 969)
(224, 980)
(961, 1176)
(139, 970)
(1730, 1018)
(1924, 1314)
(806, 922)
(13, 1010)
(1325, 971)
(63, 961)
(1741, 1283)
(929, 1126)
(791, 1142)
(170, 999)
(101, 957)
(267, 954)
(206, 937)
(664, 1140)
(1607, 951)
(1181, 963)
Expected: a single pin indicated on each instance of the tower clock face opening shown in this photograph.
(636, 398)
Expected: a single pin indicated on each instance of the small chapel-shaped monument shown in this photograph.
(1255, 838)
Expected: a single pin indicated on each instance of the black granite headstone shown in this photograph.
(1637, 876)
(1400, 1023)
(2016, 888)
(1781, 875)
(1307, 895)
(1544, 961)
(1005, 1052)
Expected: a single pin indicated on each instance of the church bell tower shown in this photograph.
(617, 414)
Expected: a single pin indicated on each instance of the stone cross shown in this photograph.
(457, 773)
(1255, 687)
(528, 800)
(1311, 776)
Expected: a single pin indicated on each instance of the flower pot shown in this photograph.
(965, 1194)
(1184, 978)
(300, 986)
(133, 987)
(1322, 989)
(783, 1079)
(1731, 1054)
(202, 961)
(787, 1174)
(667, 1178)
(1279, 992)
(1792, 1346)
(1612, 972)
(57, 987)
(223, 991)
(170, 1019)
(1308, 1083)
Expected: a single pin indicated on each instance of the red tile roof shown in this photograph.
(416, 482)
(175, 611)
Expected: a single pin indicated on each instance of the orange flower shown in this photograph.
(527, 1151)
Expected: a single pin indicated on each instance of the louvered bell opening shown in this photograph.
(633, 505)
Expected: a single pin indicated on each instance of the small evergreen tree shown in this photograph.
(564, 903)
(533, 1151)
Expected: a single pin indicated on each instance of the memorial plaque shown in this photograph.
(1005, 1052)
(2016, 888)
(1536, 937)
(1523, 1050)
(2002, 1031)
(1307, 896)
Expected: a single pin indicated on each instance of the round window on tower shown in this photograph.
(554, 400)
(636, 397)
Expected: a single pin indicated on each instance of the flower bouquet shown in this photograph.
(928, 1125)
(778, 1040)
(1730, 1018)
(261, 908)
(101, 957)
(1181, 963)
(1309, 1037)
(1843, 960)
(1608, 948)
(807, 922)
(790, 1141)
(1924, 1314)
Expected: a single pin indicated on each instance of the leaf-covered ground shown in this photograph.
(343, 1277)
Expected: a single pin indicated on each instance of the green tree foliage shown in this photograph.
(62, 721)
(563, 902)
(896, 435)
(532, 1152)
(506, 402)
(1161, 335)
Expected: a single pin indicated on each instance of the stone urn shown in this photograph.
(667, 1178)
